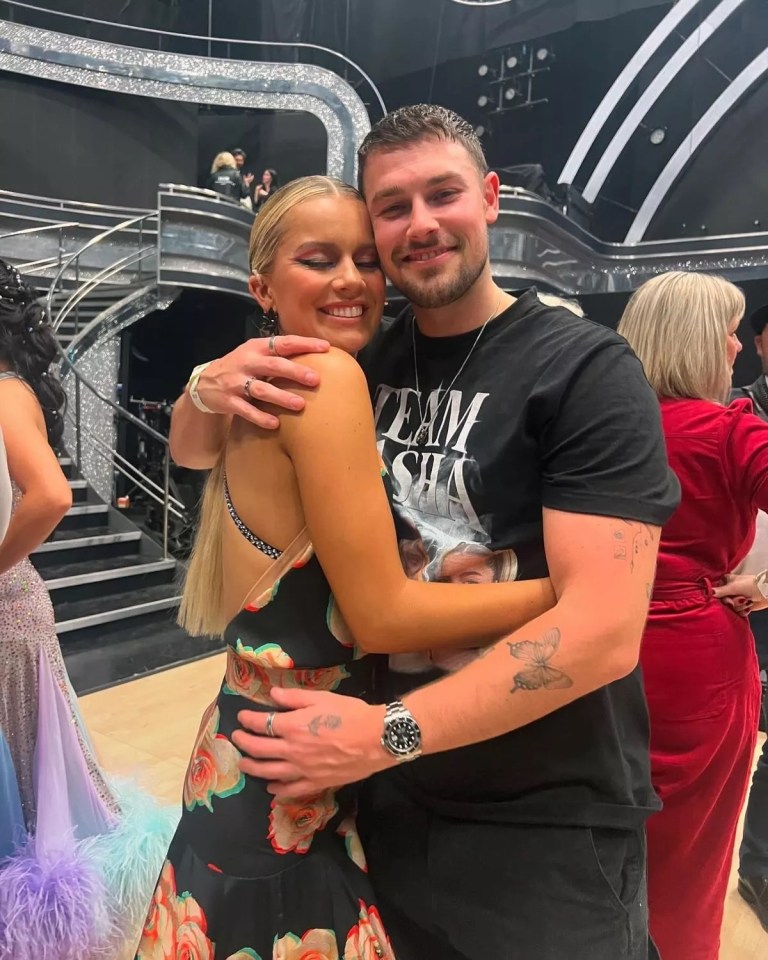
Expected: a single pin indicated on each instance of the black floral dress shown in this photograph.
(248, 876)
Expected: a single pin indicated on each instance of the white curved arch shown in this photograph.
(731, 95)
(621, 84)
(711, 23)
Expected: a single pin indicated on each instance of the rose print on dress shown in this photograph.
(337, 625)
(247, 670)
(294, 823)
(367, 939)
(348, 829)
(175, 928)
(314, 945)
(252, 672)
(213, 769)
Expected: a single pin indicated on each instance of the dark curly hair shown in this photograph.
(28, 346)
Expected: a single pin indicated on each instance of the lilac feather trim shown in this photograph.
(52, 908)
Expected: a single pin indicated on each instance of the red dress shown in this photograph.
(700, 671)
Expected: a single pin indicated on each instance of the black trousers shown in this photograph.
(452, 890)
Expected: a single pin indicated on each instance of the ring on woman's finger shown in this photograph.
(247, 386)
(270, 727)
(273, 346)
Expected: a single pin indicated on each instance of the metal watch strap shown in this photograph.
(395, 708)
(192, 388)
(394, 713)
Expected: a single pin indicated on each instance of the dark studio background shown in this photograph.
(96, 146)
(103, 147)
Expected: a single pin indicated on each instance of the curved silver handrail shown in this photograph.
(47, 226)
(160, 494)
(75, 258)
(210, 39)
(61, 203)
(106, 273)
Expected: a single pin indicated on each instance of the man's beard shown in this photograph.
(430, 296)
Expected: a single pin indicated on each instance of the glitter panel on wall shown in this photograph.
(175, 76)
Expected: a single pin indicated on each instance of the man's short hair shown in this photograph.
(239, 152)
(421, 121)
(759, 319)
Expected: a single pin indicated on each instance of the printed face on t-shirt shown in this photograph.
(431, 209)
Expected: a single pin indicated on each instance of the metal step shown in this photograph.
(96, 540)
(80, 490)
(85, 509)
(84, 515)
(117, 573)
(122, 613)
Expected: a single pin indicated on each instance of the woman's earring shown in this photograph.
(270, 324)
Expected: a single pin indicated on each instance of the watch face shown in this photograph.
(403, 735)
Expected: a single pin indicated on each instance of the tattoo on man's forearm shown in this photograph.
(331, 721)
(539, 672)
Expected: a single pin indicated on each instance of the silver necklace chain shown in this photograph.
(422, 433)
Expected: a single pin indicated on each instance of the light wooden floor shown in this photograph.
(146, 729)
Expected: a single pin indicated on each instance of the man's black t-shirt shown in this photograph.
(550, 411)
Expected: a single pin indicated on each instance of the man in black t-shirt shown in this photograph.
(521, 441)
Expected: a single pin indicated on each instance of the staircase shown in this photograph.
(114, 596)
(96, 302)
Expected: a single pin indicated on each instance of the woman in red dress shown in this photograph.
(698, 655)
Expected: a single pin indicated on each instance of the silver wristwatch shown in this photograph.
(401, 737)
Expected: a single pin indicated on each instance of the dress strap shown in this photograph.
(272, 552)
(295, 550)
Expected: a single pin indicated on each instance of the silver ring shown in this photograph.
(270, 730)
(272, 347)
(247, 387)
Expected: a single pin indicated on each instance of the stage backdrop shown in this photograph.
(105, 147)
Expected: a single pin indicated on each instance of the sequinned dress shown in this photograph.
(248, 876)
(77, 857)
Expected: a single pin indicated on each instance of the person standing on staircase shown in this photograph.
(77, 861)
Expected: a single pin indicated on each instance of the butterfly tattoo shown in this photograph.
(539, 673)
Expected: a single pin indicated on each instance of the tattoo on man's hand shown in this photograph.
(331, 721)
(539, 674)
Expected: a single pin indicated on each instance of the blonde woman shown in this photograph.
(301, 572)
(226, 179)
(698, 655)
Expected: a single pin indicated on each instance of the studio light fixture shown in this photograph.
(509, 83)
(481, 3)
(658, 136)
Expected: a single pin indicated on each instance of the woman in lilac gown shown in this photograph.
(76, 860)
